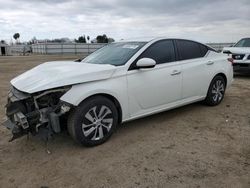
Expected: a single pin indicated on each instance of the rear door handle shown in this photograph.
(210, 63)
(175, 72)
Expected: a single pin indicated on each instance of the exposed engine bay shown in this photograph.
(29, 113)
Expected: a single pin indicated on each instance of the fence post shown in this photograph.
(46, 48)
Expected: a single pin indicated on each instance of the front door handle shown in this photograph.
(210, 63)
(175, 72)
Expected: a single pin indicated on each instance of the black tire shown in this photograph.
(86, 125)
(217, 88)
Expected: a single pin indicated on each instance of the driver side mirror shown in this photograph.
(145, 63)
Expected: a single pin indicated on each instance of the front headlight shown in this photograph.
(50, 97)
(16, 95)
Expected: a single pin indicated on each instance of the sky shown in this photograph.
(202, 20)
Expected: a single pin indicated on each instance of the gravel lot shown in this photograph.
(192, 146)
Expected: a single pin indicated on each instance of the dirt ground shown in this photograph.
(192, 146)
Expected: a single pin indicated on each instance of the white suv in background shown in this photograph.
(240, 53)
(119, 82)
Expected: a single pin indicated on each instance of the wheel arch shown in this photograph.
(223, 75)
(208, 100)
(111, 98)
(217, 74)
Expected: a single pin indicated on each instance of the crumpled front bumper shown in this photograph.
(14, 128)
(22, 124)
(31, 113)
(8, 124)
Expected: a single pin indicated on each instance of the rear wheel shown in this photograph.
(93, 121)
(216, 91)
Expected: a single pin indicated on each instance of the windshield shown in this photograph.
(243, 43)
(114, 54)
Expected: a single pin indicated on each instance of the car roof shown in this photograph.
(155, 39)
(138, 39)
(149, 39)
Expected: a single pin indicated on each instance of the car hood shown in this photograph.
(237, 50)
(60, 73)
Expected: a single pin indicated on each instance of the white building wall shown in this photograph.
(19, 49)
(65, 48)
(7, 49)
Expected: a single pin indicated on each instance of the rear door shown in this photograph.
(196, 68)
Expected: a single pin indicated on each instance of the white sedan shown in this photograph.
(119, 82)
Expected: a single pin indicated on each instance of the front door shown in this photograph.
(153, 89)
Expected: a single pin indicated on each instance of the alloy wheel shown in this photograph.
(97, 122)
(218, 90)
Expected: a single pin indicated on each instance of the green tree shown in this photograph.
(16, 36)
(102, 39)
(81, 39)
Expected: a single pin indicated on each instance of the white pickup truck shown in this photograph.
(241, 55)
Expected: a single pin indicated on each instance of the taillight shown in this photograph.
(231, 60)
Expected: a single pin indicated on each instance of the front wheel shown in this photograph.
(93, 121)
(216, 91)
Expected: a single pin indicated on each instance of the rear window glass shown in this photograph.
(190, 50)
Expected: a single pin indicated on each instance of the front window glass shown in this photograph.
(161, 52)
(115, 53)
(243, 43)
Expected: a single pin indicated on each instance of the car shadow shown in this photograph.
(65, 141)
(159, 117)
(242, 75)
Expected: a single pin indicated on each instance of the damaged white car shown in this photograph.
(240, 54)
(119, 82)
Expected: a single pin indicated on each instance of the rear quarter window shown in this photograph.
(203, 49)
